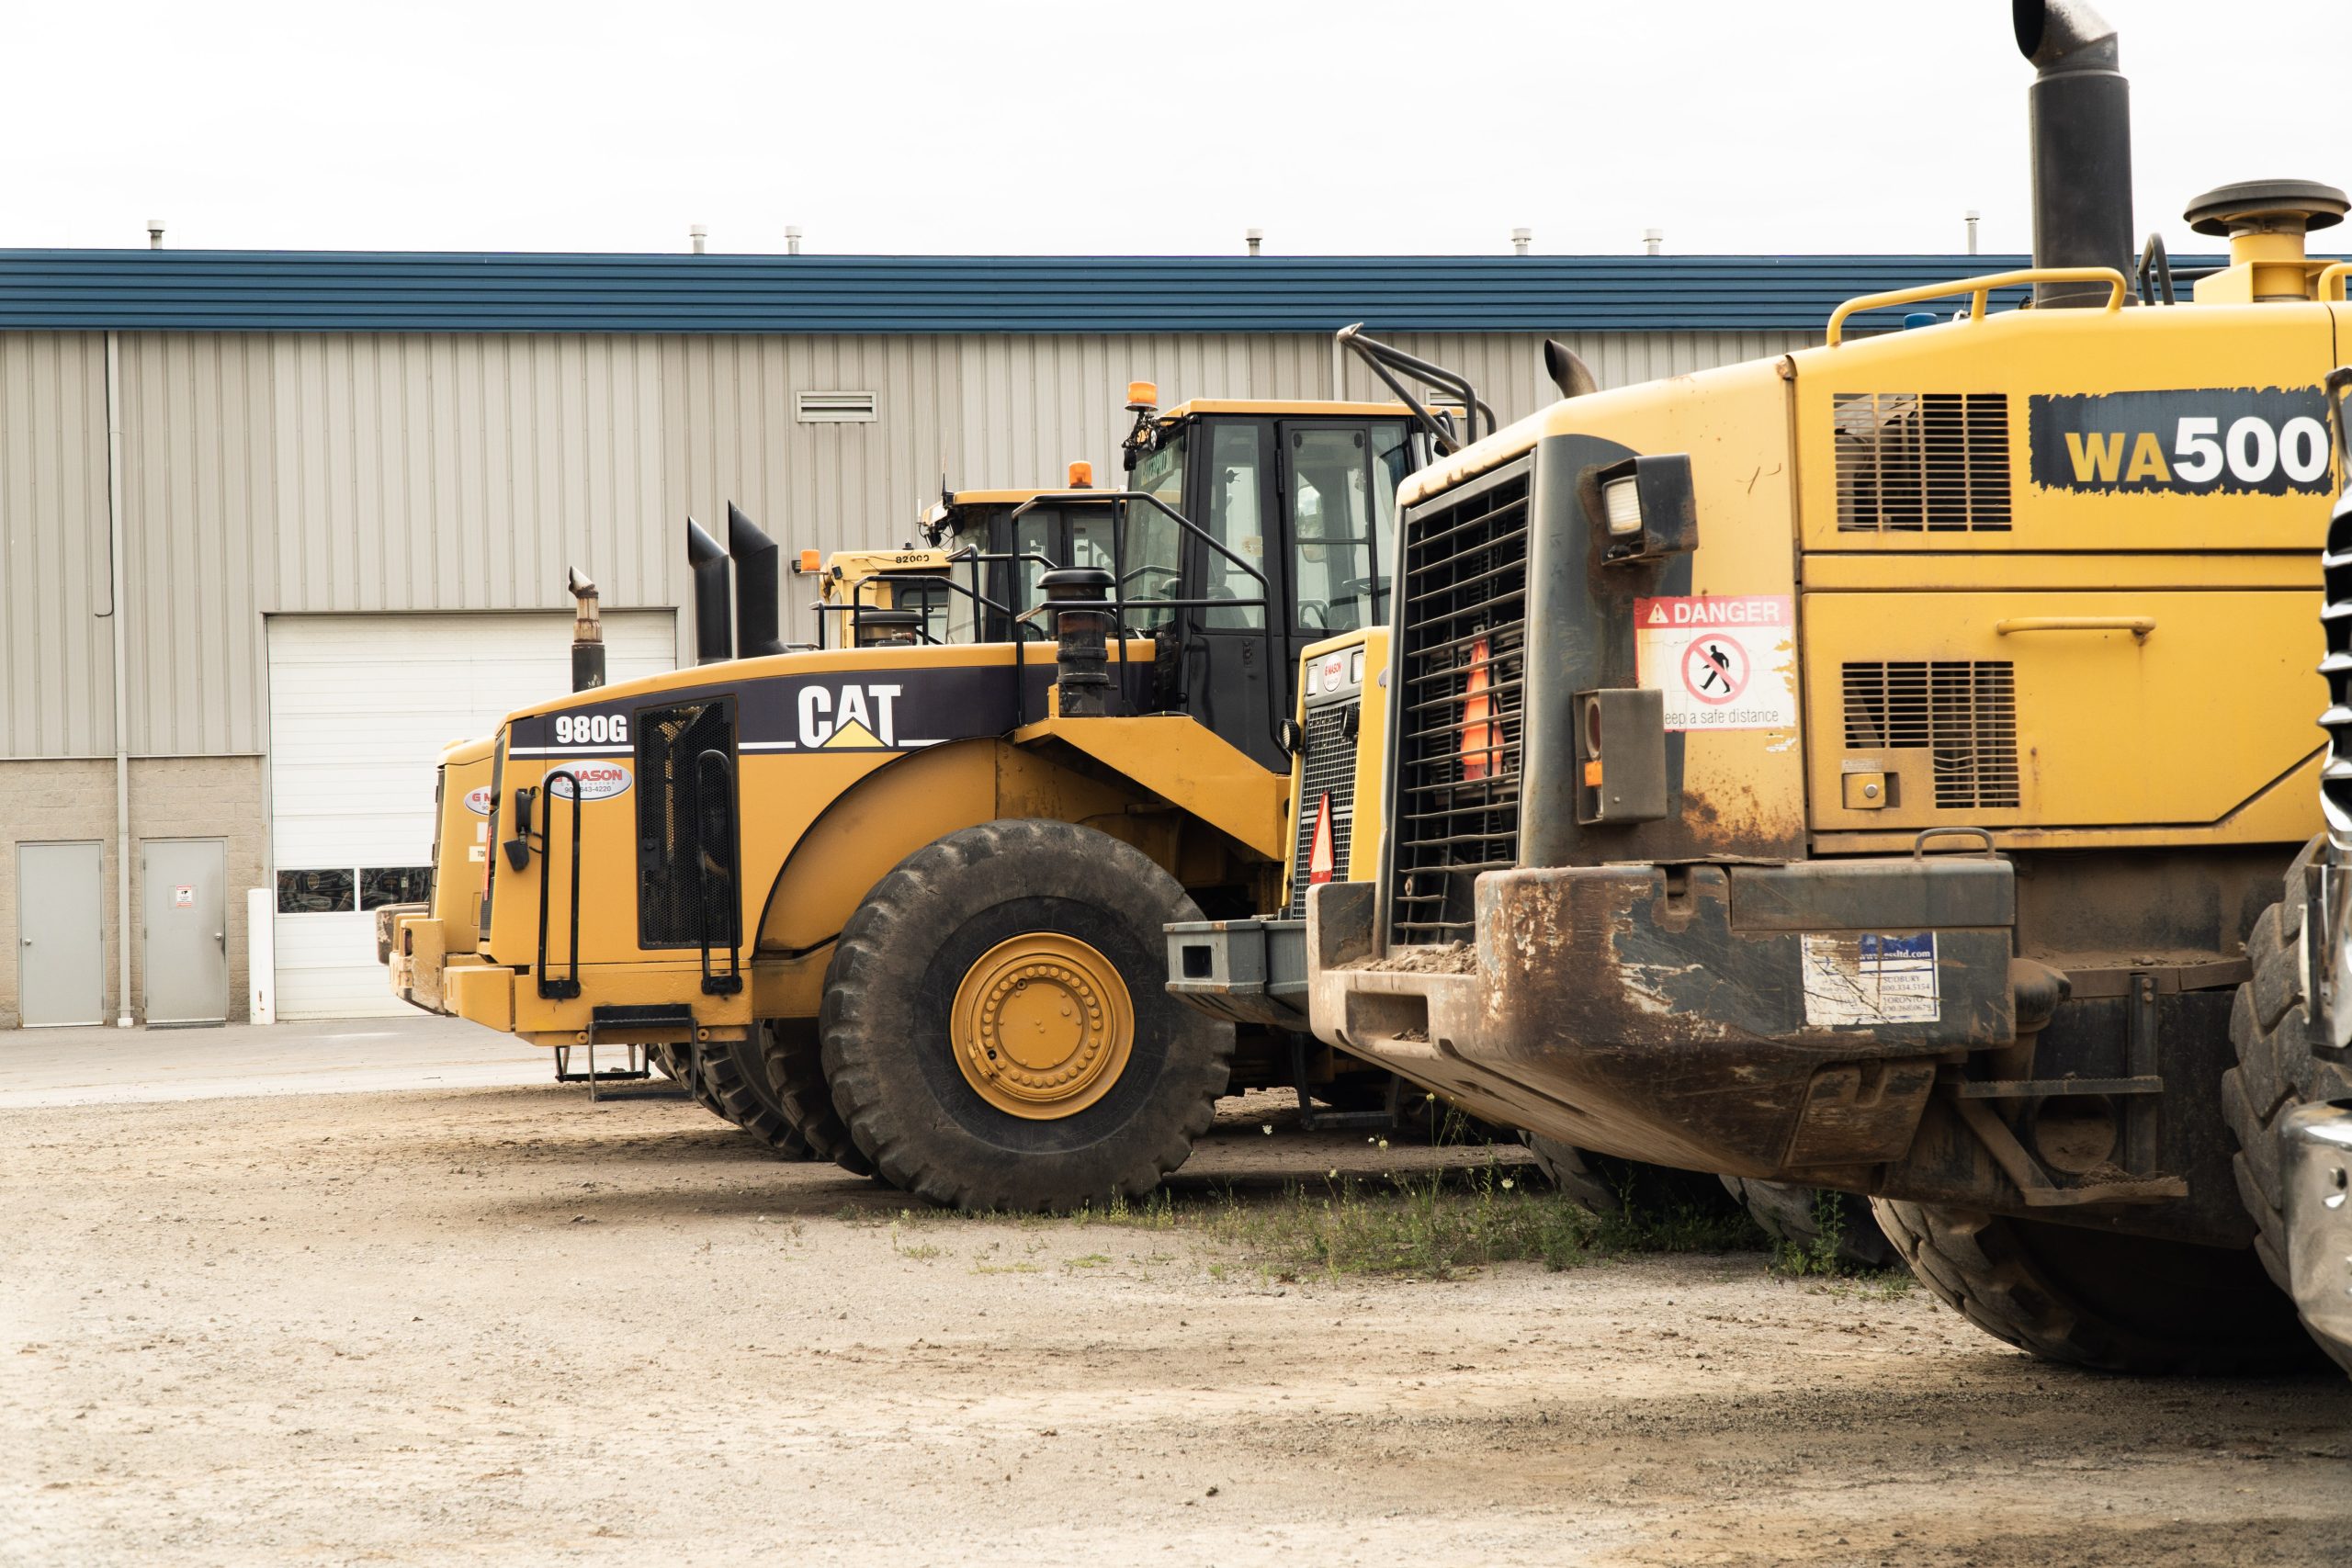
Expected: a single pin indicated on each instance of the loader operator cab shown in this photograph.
(1303, 492)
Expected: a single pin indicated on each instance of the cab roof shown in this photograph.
(1278, 406)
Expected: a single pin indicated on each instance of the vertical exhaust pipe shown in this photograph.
(587, 634)
(758, 586)
(2080, 110)
(714, 626)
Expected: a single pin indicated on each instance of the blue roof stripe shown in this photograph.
(459, 291)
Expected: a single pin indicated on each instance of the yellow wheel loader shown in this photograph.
(922, 883)
(1869, 768)
(418, 942)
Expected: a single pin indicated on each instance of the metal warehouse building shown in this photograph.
(276, 527)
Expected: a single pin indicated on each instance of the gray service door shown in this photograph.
(60, 934)
(187, 945)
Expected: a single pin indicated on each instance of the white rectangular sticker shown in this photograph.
(1870, 980)
(1724, 661)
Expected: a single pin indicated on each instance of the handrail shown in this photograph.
(2333, 273)
(2138, 625)
(2337, 383)
(558, 990)
(1976, 288)
(731, 983)
(857, 607)
(1117, 502)
(1380, 357)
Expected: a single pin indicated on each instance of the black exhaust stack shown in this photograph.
(587, 634)
(714, 626)
(758, 586)
(2081, 112)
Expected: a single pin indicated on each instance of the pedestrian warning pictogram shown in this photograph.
(1715, 666)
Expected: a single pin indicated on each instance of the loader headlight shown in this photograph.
(1620, 501)
(1642, 508)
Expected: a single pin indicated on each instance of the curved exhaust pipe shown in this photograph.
(758, 586)
(714, 626)
(2080, 109)
(1568, 369)
(587, 633)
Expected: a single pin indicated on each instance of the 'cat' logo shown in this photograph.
(849, 717)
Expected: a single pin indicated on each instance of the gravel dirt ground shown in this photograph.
(498, 1324)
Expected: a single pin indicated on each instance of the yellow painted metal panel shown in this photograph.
(2178, 729)
(2117, 488)
(1913, 572)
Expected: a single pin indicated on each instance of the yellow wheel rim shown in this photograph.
(1041, 1026)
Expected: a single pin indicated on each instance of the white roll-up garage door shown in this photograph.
(360, 709)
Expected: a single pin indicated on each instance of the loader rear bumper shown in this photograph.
(1241, 971)
(2316, 1152)
(1750, 1019)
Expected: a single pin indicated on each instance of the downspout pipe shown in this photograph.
(117, 571)
(2080, 115)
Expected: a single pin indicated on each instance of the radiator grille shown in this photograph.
(1330, 770)
(1963, 713)
(1458, 718)
(1911, 462)
(685, 827)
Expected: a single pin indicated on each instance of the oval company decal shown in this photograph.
(478, 800)
(598, 781)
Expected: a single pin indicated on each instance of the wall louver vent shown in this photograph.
(1916, 462)
(833, 407)
(1964, 714)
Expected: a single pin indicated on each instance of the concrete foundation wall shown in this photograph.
(171, 798)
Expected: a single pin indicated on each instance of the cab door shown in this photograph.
(1232, 493)
(1339, 506)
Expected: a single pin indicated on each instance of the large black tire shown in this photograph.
(796, 1072)
(2279, 1067)
(665, 1061)
(696, 1082)
(2121, 1303)
(893, 982)
(1790, 1213)
(1609, 1186)
(736, 1077)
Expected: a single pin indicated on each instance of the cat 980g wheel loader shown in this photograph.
(921, 880)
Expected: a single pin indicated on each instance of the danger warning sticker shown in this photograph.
(1724, 661)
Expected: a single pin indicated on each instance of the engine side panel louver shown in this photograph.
(1331, 774)
(1458, 713)
(685, 826)
(1963, 713)
(1916, 462)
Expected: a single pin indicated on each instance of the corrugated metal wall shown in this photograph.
(285, 472)
(56, 645)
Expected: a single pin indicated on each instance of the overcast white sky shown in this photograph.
(886, 126)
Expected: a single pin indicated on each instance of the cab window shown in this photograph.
(1038, 533)
(1153, 568)
(1160, 472)
(1235, 519)
(1338, 520)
